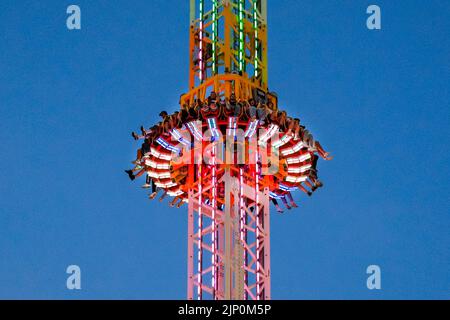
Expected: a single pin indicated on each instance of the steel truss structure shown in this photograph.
(228, 249)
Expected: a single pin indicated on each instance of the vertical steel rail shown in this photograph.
(241, 35)
(267, 286)
(201, 44)
(200, 234)
(227, 235)
(215, 26)
(265, 71)
(190, 257)
(243, 222)
(258, 224)
(192, 45)
(213, 225)
(256, 35)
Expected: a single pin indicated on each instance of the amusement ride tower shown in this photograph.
(229, 152)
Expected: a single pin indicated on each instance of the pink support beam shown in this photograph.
(247, 243)
(200, 235)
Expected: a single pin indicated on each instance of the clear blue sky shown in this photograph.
(378, 100)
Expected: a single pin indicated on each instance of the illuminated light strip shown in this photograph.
(163, 166)
(251, 129)
(293, 179)
(300, 159)
(177, 136)
(152, 174)
(200, 54)
(175, 193)
(155, 165)
(213, 127)
(159, 155)
(200, 236)
(258, 264)
(286, 188)
(255, 26)
(232, 126)
(213, 223)
(274, 195)
(269, 134)
(241, 35)
(194, 130)
(166, 185)
(164, 175)
(286, 138)
(163, 143)
(242, 222)
(156, 175)
(299, 169)
(294, 149)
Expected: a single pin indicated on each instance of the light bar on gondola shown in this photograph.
(285, 139)
(165, 185)
(251, 129)
(213, 127)
(175, 193)
(274, 195)
(163, 143)
(178, 136)
(286, 188)
(160, 155)
(294, 149)
(232, 126)
(159, 175)
(300, 159)
(294, 179)
(273, 128)
(156, 165)
(194, 130)
(299, 169)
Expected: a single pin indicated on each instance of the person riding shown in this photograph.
(232, 107)
(213, 103)
(282, 120)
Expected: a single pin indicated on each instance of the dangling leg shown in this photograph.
(275, 202)
(308, 183)
(138, 157)
(135, 136)
(180, 203)
(309, 193)
(140, 173)
(163, 196)
(154, 191)
(322, 152)
(291, 199)
(130, 174)
(286, 203)
(174, 201)
(148, 181)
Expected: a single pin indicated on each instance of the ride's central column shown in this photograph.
(228, 238)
